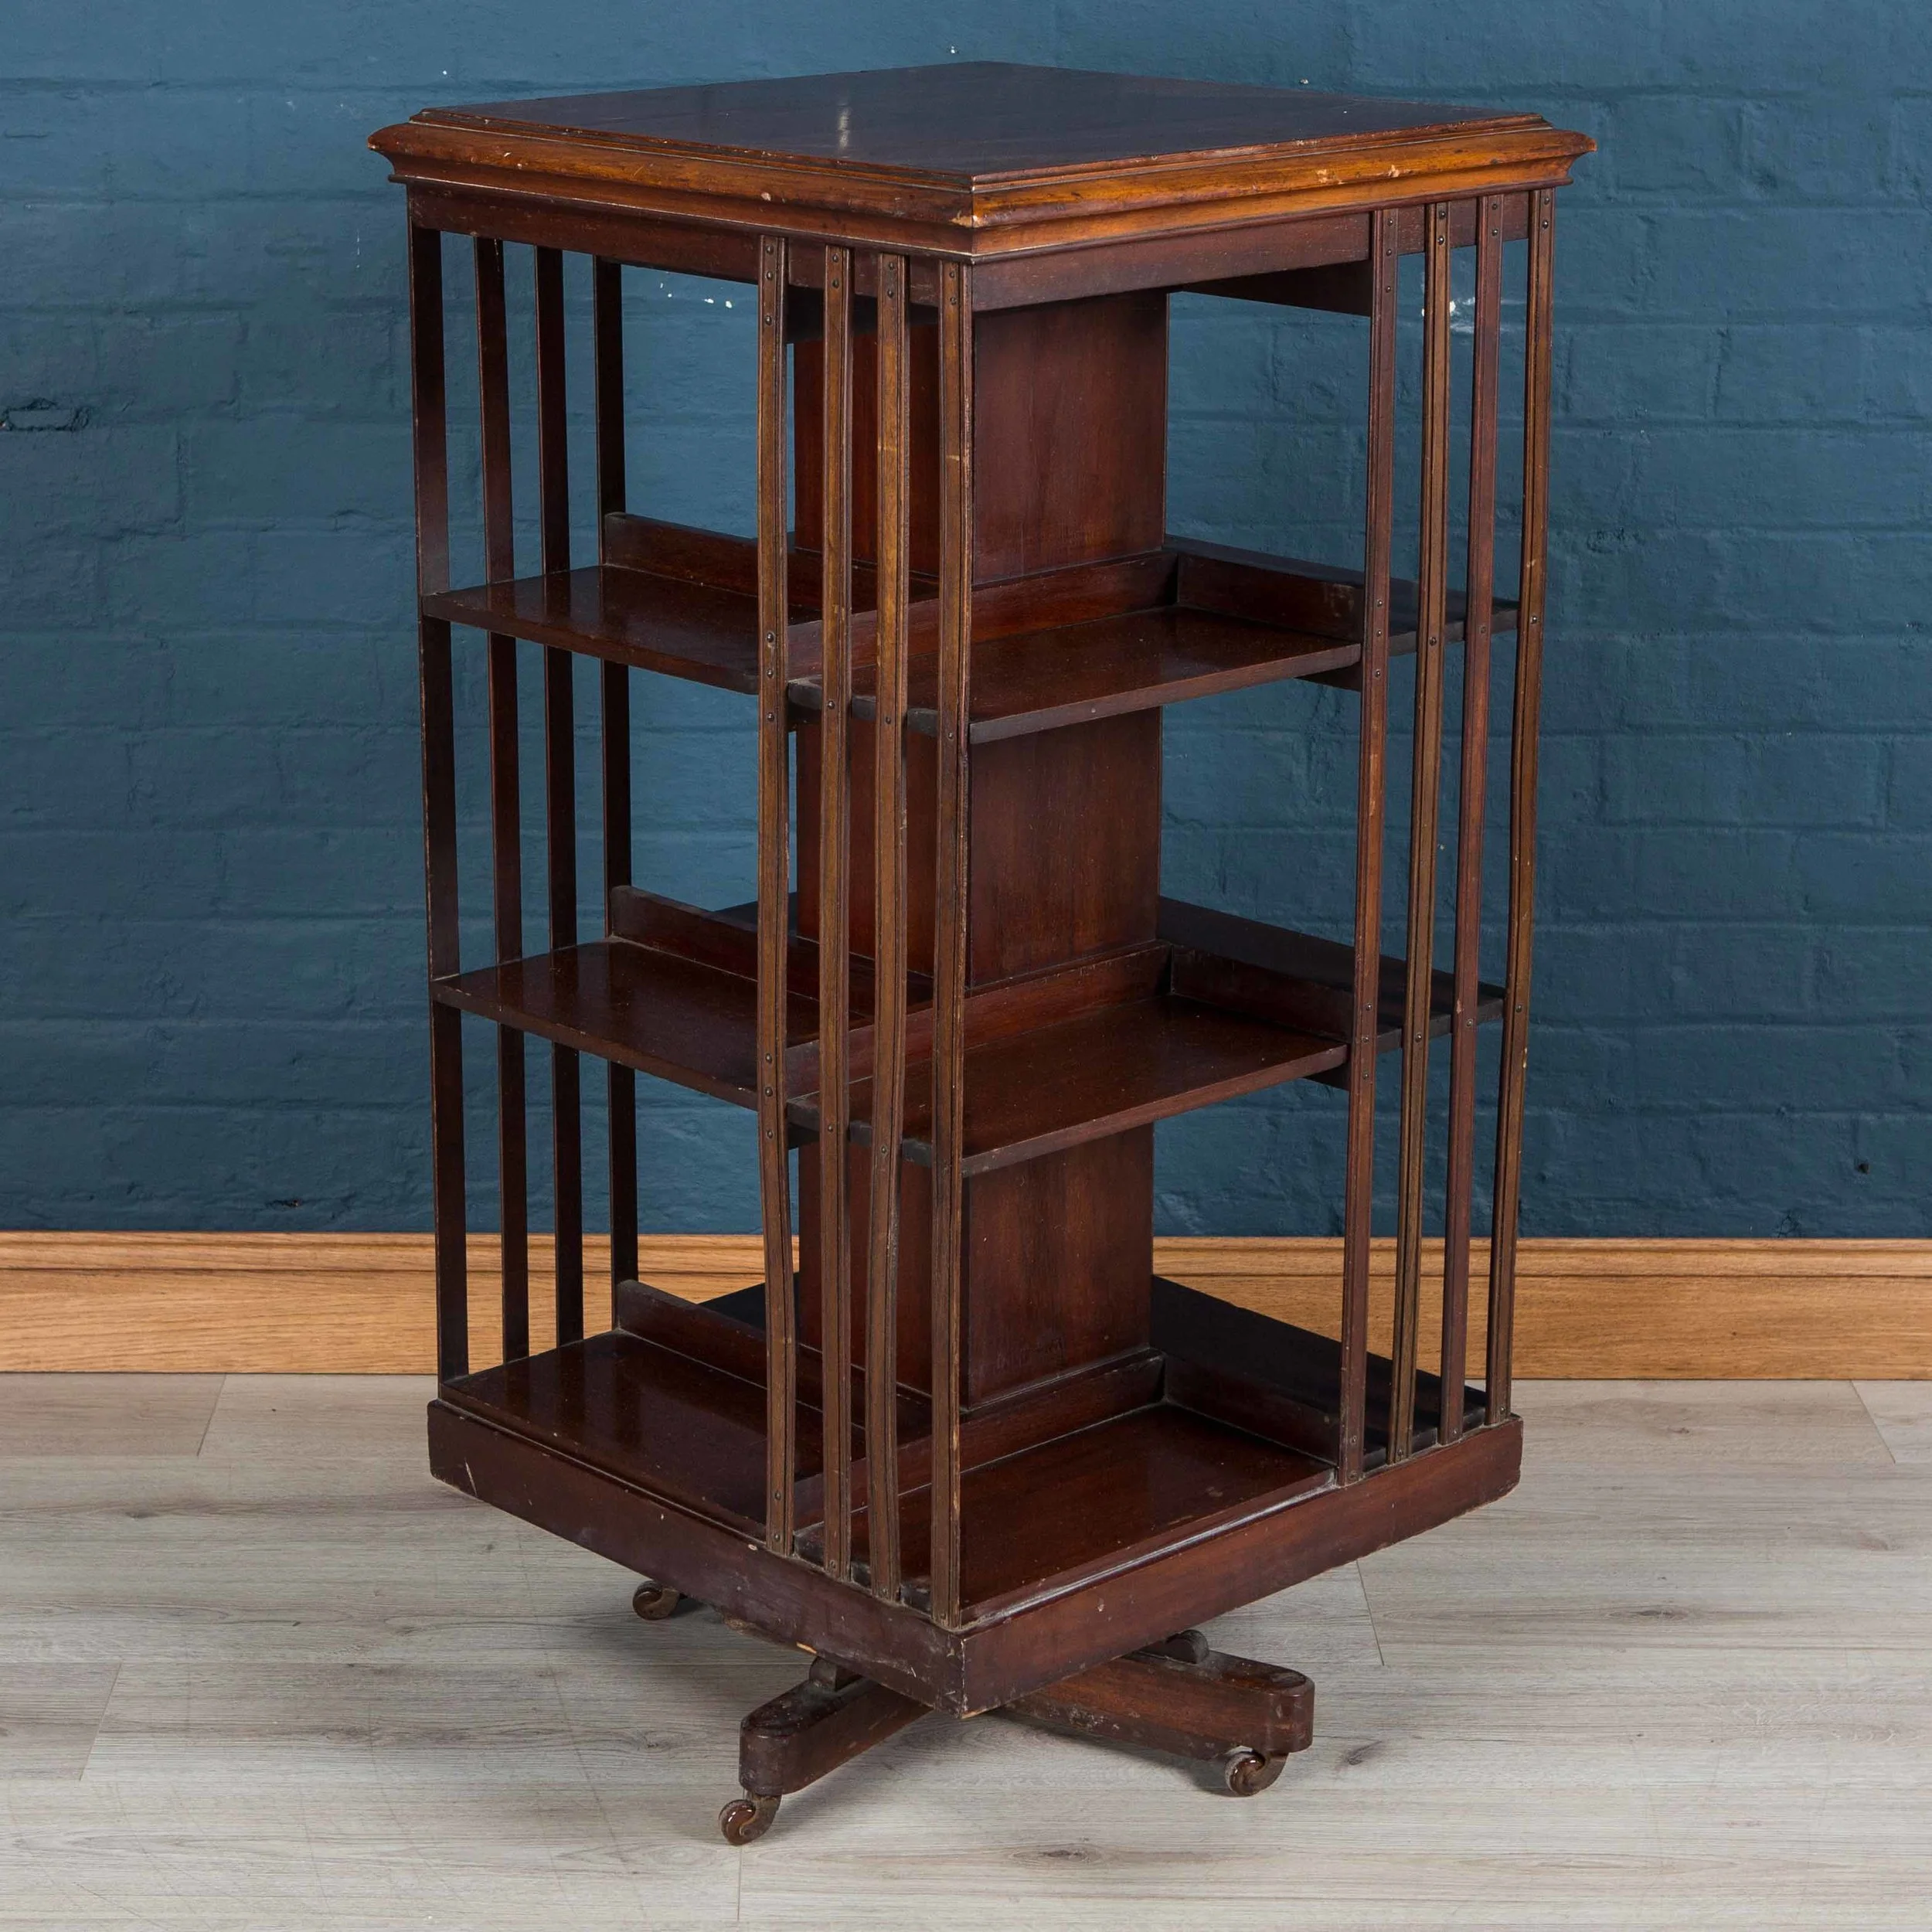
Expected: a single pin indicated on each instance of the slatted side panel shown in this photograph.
(1425, 790)
(430, 442)
(606, 318)
(889, 977)
(1480, 579)
(774, 887)
(560, 771)
(506, 806)
(1371, 786)
(834, 898)
(950, 913)
(1522, 796)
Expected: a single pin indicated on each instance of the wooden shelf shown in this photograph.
(1060, 647)
(1217, 1007)
(1135, 662)
(1068, 1511)
(1051, 1087)
(679, 1427)
(663, 624)
(1236, 1419)
(686, 1022)
(1283, 1383)
(1092, 641)
(1051, 1515)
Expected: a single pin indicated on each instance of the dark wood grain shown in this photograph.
(891, 547)
(429, 445)
(946, 1097)
(774, 999)
(834, 931)
(1479, 576)
(1056, 1274)
(649, 1010)
(1370, 807)
(1102, 1497)
(1203, 1706)
(1425, 788)
(1300, 980)
(686, 1431)
(1069, 426)
(621, 1082)
(506, 804)
(1522, 800)
(1001, 1658)
(934, 122)
(1298, 594)
(559, 784)
(624, 617)
(1278, 1381)
(976, 1449)
(1080, 185)
(1041, 681)
(799, 1736)
(1035, 1092)
(429, 424)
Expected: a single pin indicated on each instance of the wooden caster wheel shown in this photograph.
(1248, 1774)
(654, 1602)
(747, 1817)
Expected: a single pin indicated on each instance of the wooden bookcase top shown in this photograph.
(974, 155)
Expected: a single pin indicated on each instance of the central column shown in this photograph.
(1070, 446)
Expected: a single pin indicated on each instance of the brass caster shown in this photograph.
(654, 1602)
(1248, 1774)
(747, 1817)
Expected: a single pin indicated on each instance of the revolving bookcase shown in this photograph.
(963, 1447)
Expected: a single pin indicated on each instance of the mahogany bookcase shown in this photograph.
(966, 1449)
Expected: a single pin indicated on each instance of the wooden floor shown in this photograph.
(257, 1670)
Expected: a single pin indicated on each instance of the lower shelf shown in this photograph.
(1076, 1508)
(679, 1428)
(1114, 1604)
(1239, 1420)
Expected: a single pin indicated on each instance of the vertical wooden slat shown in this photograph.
(774, 890)
(1371, 787)
(949, 916)
(1425, 788)
(1523, 799)
(430, 437)
(889, 922)
(559, 779)
(834, 851)
(506, 808)
(1480, 578)
(606, 298)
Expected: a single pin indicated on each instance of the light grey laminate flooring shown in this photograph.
(257, 1670)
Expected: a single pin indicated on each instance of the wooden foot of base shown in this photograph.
(1182, 1697)
(654, 1602)
(796, 1738)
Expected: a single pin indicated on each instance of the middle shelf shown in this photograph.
(1059, 647)
(1212, 1007)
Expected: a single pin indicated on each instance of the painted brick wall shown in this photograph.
(210, 963)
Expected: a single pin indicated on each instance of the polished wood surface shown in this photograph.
(970, 119)
(973, 157)
(963, 1441)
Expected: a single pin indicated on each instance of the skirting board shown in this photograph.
(346, 1304)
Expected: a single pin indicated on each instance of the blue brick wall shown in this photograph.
(211, 1012)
